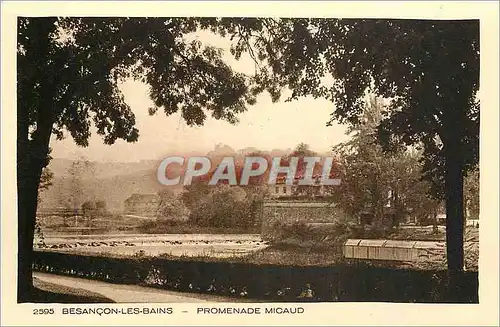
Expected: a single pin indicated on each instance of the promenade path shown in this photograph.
(131, 293)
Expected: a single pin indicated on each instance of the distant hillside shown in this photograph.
(114, 182)
(114, 189)
(61, 167)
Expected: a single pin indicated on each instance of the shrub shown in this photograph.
(341, 282)
(224, 206)
(171, 207)
(311, 235)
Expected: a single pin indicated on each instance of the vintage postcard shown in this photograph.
(249, 163)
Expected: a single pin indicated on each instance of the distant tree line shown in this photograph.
(220, 206)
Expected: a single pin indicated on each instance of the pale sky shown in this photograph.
(265, 125)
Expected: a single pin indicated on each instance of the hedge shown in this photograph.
(342, 282)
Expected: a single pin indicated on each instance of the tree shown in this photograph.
(304, 150)
(92, 209)
(45, 183)
(194, 193)
(300, 151)
(376, 183)
(471, 193)
(76, 192)
(171, 206)
(101, 206)
(224, 206)
(68, 74)
(366, 173)
(89, 210)
(428, 70)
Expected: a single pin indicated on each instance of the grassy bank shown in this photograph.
(313, 244)
(299, 256)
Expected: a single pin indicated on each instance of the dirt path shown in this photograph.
(130, 293)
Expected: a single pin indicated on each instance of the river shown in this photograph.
(216, 245)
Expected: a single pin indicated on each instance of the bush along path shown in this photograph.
(341, 282)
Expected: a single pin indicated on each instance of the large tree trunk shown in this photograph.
(29, 173)
(454, 221)
(31, 159)
(25, 206)
(33, 149)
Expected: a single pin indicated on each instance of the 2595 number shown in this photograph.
(48, 311)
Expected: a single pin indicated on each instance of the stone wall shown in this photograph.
(288, 212)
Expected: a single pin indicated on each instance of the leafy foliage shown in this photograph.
(428, 70)
(471, 193)
(223, 206)
(93, 55)
(92, 208)
(171, 207)
(78, 170)
(241, 277)
(45, 180)
(380, 183)
(45, 183)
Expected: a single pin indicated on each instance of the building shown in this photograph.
(281, 189)
(142, 204)
(313, 204)
(469, 221)
(289, 204)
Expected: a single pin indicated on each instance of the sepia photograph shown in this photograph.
(260, 159)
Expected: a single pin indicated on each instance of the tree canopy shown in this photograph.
(428, 70)
(85, 59)
(382, 185)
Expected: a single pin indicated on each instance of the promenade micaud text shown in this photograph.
(252, 167)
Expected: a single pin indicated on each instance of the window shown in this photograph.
(284, 189)
(277, 190)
